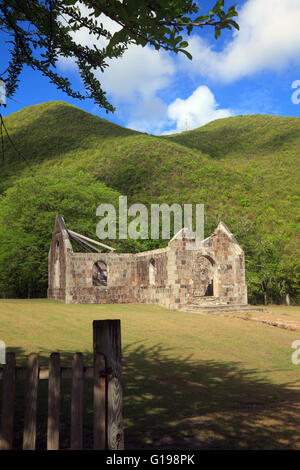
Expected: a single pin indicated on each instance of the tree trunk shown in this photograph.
(266, 298)
(287, 299)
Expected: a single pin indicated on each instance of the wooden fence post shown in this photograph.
(53, 402)
(107, 341)
(100, 402)
(29, 435)
(8, 402)
(77, 402)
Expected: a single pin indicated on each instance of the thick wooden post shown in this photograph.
(100, 402)
(107, 341)
(53, 402)
(77, 403)
(29, 435)
(8, 402)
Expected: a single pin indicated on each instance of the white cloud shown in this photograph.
(83, 37)
(150, 115)
(141, 71)
(198, 109)
(269, 39)
(132, 80)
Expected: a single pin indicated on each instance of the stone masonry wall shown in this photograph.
(121, 278)
(159, 292)
(229, 258)
(173, 277)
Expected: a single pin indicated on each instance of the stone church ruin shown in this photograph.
(189, 274)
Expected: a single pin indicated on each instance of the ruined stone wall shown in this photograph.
(188, 269)
(57, 266)
(211, 270)
(240, 289)
(159, 292)
(229, 276)
(121, 278)
(179, 268)
(127, 278)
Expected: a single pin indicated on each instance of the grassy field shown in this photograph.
(190, 381)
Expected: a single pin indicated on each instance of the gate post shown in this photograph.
(108, 422)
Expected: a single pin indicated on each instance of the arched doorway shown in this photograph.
(204, 276)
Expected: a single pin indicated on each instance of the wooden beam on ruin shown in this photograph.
(78, 235)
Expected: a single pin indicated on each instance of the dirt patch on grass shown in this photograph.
(268, 318)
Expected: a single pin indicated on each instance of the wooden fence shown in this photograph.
(107, 393)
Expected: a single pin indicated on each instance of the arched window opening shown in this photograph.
(152, 272)
(100, 274)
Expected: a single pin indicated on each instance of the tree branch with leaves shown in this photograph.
(39, 32)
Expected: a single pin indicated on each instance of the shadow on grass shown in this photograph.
(180, 403)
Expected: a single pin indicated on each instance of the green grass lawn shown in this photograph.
(190, 381)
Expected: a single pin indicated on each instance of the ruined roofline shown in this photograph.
(223, 227)
(62, 227)
(77, 237)
(157, 251)
(185, 233)
(61, 222)
(87, 239)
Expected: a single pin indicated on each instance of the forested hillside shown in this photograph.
(244, 169)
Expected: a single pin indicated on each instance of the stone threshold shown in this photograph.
(221, 308)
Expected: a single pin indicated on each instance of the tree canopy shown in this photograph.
(41, 31)
(27, 213)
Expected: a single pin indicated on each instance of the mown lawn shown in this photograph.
(190, 381)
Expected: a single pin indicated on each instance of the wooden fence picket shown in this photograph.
(8, 402)
(77, 403)
(29, 435)
(100, 418)
(107, 394)
(53, 402)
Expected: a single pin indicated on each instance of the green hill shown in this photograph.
(244, 169)
(243, 136)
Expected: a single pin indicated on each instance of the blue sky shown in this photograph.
(246, 72)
